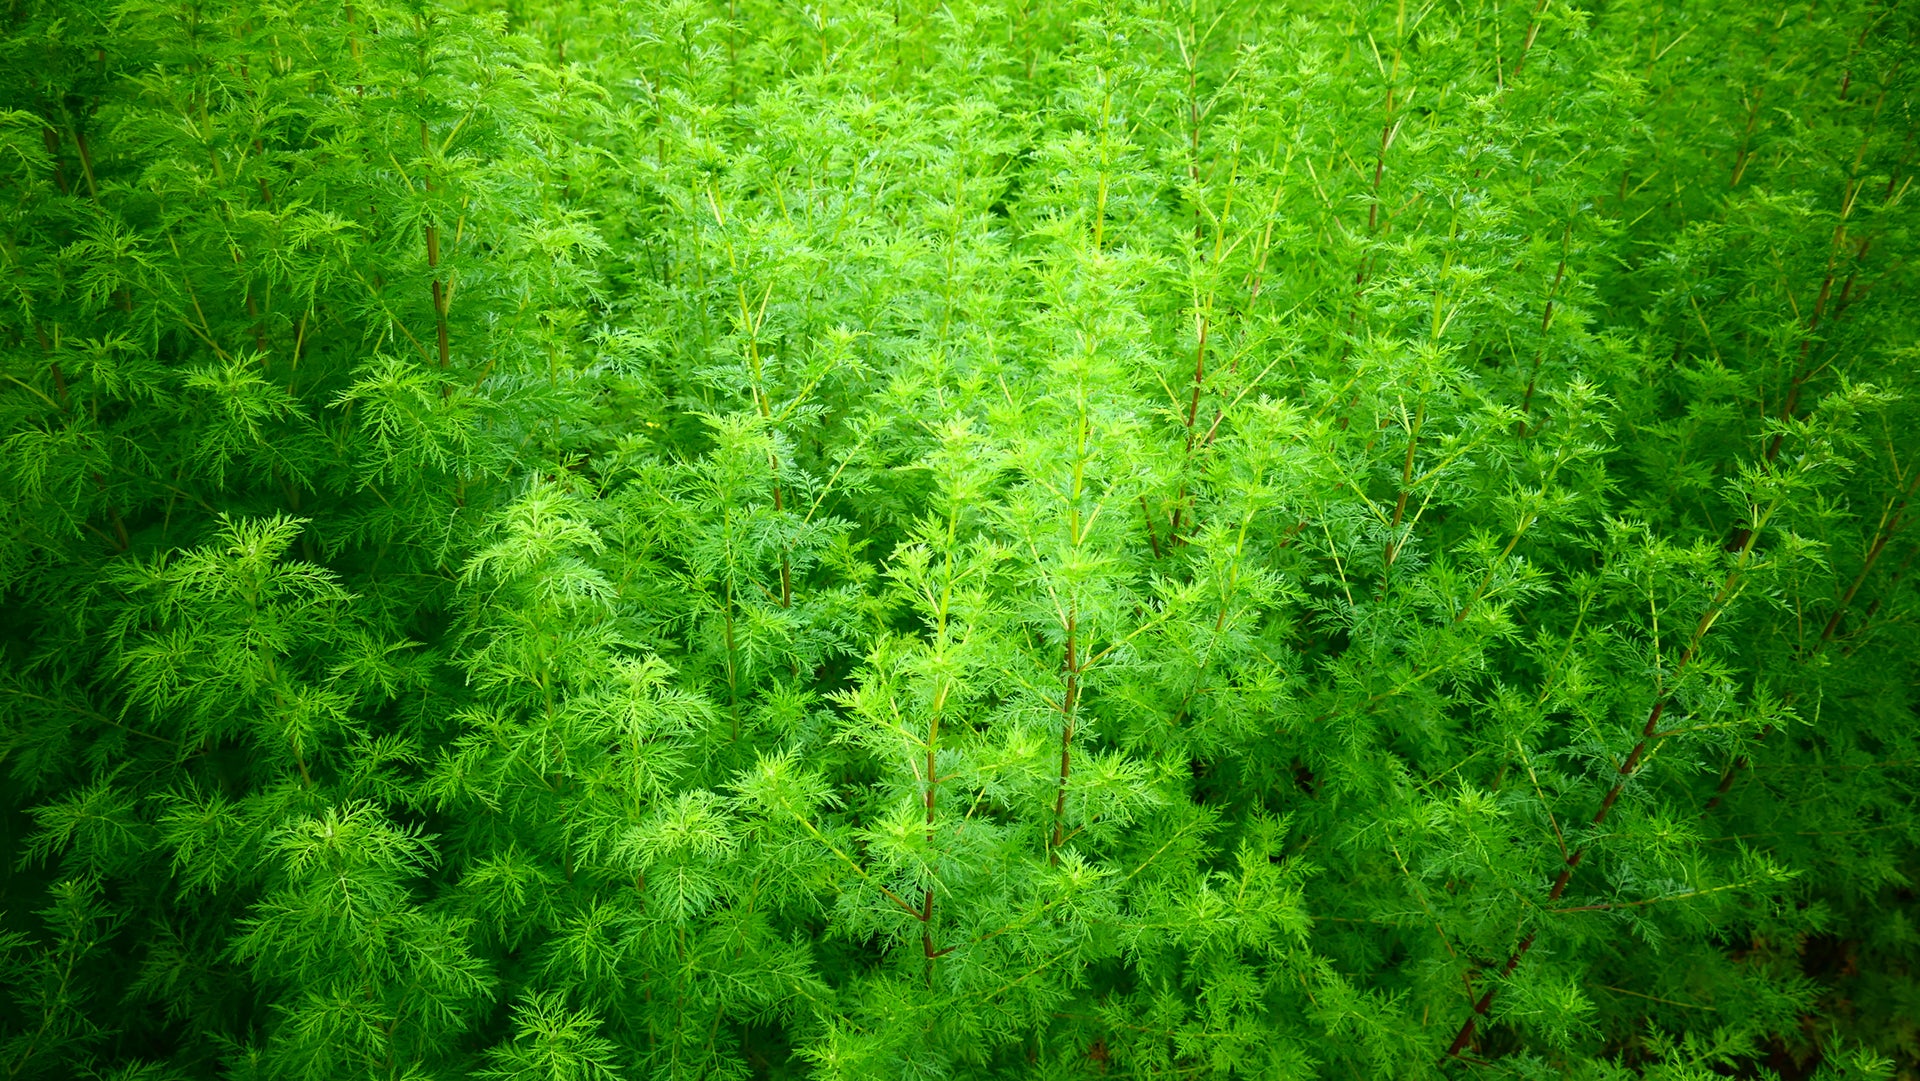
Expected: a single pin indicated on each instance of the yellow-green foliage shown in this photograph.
(726, 538)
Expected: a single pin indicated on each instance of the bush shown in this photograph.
(661, 539)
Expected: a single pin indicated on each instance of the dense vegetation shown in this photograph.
(681, 539)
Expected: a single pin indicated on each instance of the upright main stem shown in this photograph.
(750, 324)
(1388, 126)
(1849, 196)
(440, 294)
(1406, 483)
(1068, 705)
(1073, 662)
(1891, 522)
(1649, 732)
(927, 947)
(1546, 324)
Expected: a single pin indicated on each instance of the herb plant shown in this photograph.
(681, 539)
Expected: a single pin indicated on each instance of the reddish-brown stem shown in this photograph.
(259, 328)
(786, 561)
(1193, 126)
(1746, 140)
(86, 163)
(1800, 370)
(1406, 482)
(733, 682)
(1151, 538)
(440, 297)
(1848, 195)
(750, 325)
(1846, 78)
(1895, 520)
(1649, 732)
(53, 151)
(1199, 376)
(1568, 865)
(1533, 31)
(1067, 706)
(1853, 276)
(933, 787)
(53, 366)
(1906, 159)
(1546, 324)
(113, 515)
(1193, 410)
(1380, 165)
(1465, 1035)
(1387, 128)
(779, 505)
(1889, 528)
(1893, 582)
(439, 294)
(773, 461)
(120, 538)
(926, 929)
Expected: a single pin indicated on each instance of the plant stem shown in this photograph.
(1625, 772)
(1068, 705)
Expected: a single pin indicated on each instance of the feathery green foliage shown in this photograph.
(674, 539)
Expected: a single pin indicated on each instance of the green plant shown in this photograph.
(1338, 539)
